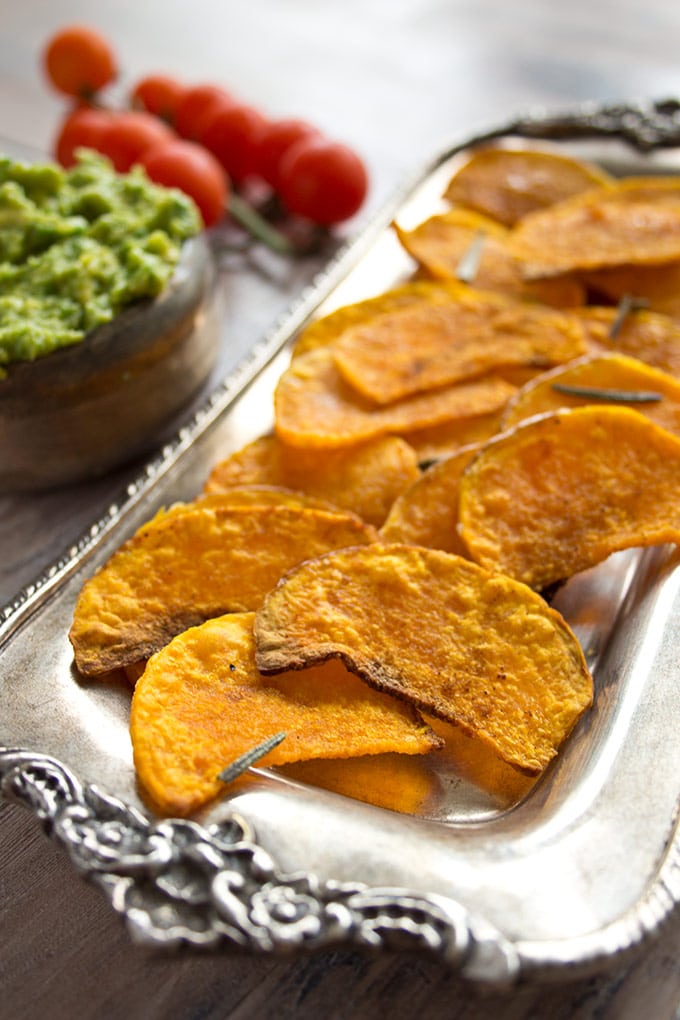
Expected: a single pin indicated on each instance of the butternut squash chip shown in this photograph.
(329, 327)
(442, 244)
(441, 441)
(607, 379)
(427, 513)
(193, 563)
(463, 644)
(646, 336)
(411, 350)
(559, 493)
(201, 704)
(365, 479)
(506, 184)
(596, 231)
(655, 287)
(315, 408)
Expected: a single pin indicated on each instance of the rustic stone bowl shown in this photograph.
(83, 410)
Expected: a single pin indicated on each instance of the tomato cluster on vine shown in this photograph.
(198, 137)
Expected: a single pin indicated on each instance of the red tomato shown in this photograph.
(81, 128)
(129, 134)
(191, 168)
(193, 105)
(275, 141)
(79, 61)
(323, 181)
(158, 94)
(233, 136)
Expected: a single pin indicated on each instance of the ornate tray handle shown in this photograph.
(177, 882)
(645, 126)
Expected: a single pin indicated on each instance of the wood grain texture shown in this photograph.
(397, 80)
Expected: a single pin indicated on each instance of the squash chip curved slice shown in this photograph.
(463, 644)
(586, 233)
(192, 564)
(441, 441)
(442, 243)
(412, 350)
(427, 513)
(559, 493)
(648, 336)
(607, 378)
(365, 479)
(329, 327)
(316, 408)
(506, 184)
(201, 704)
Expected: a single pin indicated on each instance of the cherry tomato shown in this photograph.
(79, 61)
(129, 134)
(233, 136)
(81, 128)
(178, 163)
(275, 141)
(158, 94)
(323, 181)
(193, 105)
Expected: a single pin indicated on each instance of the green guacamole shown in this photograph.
(79, 245)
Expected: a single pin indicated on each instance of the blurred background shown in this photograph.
(396, 79)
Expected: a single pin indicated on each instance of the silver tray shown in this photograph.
(557, 880)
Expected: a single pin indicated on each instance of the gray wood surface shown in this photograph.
(398, 80)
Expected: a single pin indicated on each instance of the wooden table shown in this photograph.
(398, 80)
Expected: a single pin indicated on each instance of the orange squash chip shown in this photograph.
(412, 350)
(647, 336)
(191, 564)
(608, 379)
(441, 441)
(463, 644)
(329, 327)
(561, 492)
(427, 513)
(201, 704)
(506, 184)
(316, 408)
(595, 231)
(365, 479)
(655, 287)
(442, 243)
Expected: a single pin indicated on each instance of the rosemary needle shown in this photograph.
(613, 396)
(248, 758)
(626, 305)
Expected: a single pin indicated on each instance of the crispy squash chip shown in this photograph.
(201, 704)
(190, 564)
(412, 350)
(506, 184)
(608, 379)
(441, 441)
(329, 327)
(366, 478)
(647, 336)
(316, 408)
(443, 244)
(427, 513)
(463, 644)
(559, 493)
(596, 231)
(654, 287)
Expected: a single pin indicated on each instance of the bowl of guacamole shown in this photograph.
(107, 321)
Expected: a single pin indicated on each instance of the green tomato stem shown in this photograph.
(250, 219)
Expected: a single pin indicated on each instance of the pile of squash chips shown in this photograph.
(370, 581)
